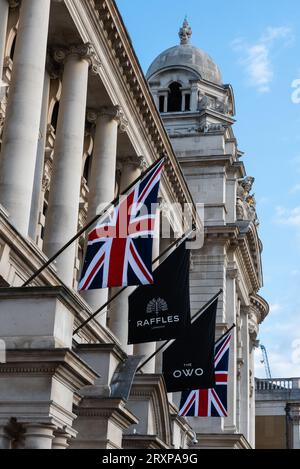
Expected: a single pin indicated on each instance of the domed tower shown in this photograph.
(198, 110)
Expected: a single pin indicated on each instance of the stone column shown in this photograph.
(230, 422)
(62, 215)
(294, 413)
(21, 129)
(39, 164)
(60, 440)
(102, 177)
(118, 312)
(4, 6)
(245, 375)
(148, 348)
(38, 436)
(253, 332)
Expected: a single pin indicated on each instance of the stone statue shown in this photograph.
(203, 102)
(222, 106)
(246, 203)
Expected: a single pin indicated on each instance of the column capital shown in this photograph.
(138, 162)
(13, 3)
(113, 112)
(83, 51)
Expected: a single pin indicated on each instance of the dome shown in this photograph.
(186, 56)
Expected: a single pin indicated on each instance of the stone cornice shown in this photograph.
(108, 408)
(261, 307)
(144, 441)
(64, 363)
(113, 348)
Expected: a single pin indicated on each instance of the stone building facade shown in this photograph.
(78, 124)
(277, 413)
(198, 113)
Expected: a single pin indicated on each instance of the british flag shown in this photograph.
(210, 402)
(119, 248)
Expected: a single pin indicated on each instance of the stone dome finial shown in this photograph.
(185, 32)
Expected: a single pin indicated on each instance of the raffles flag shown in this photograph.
(188, 363)
(210, 402)
(162, 310)
(119, 248)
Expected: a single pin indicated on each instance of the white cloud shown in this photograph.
(275, 308)
(289, 217)
(281, 365)
(295, 189)
(256, 58)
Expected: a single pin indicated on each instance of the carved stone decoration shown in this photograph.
(138, 162)
(206, 128)
(251, 384)
(204, 102)
(13, 3)
(84, 51)
(115, 112)
(45, 182)
(222, 106)
(185, 32)
(246, 203)
(253, 326)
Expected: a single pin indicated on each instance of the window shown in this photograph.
(13, 47)
(54, 116)
(86, 170)
(175, 97)
(187, 104)
(161, 104)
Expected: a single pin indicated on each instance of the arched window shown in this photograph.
(54, 116)
(12, 49)
(86, 170)
(175, 97)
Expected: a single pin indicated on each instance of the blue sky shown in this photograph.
(256, 45)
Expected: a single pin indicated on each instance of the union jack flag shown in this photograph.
(210, 402)
(119, 248)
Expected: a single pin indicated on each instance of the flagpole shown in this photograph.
(90, 223)
(225, 333)
(196, 316)
(172, 245)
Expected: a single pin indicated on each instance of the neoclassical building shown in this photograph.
(78, 124)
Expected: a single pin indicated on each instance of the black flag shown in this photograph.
(188, 363)
(162, 310)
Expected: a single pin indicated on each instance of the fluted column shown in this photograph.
(102, 177)
(39, 164)
(131, 168)
(38, 436)
(21, 129)
(62, 215)
(147, 349)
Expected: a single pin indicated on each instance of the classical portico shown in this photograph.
(79, 126)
